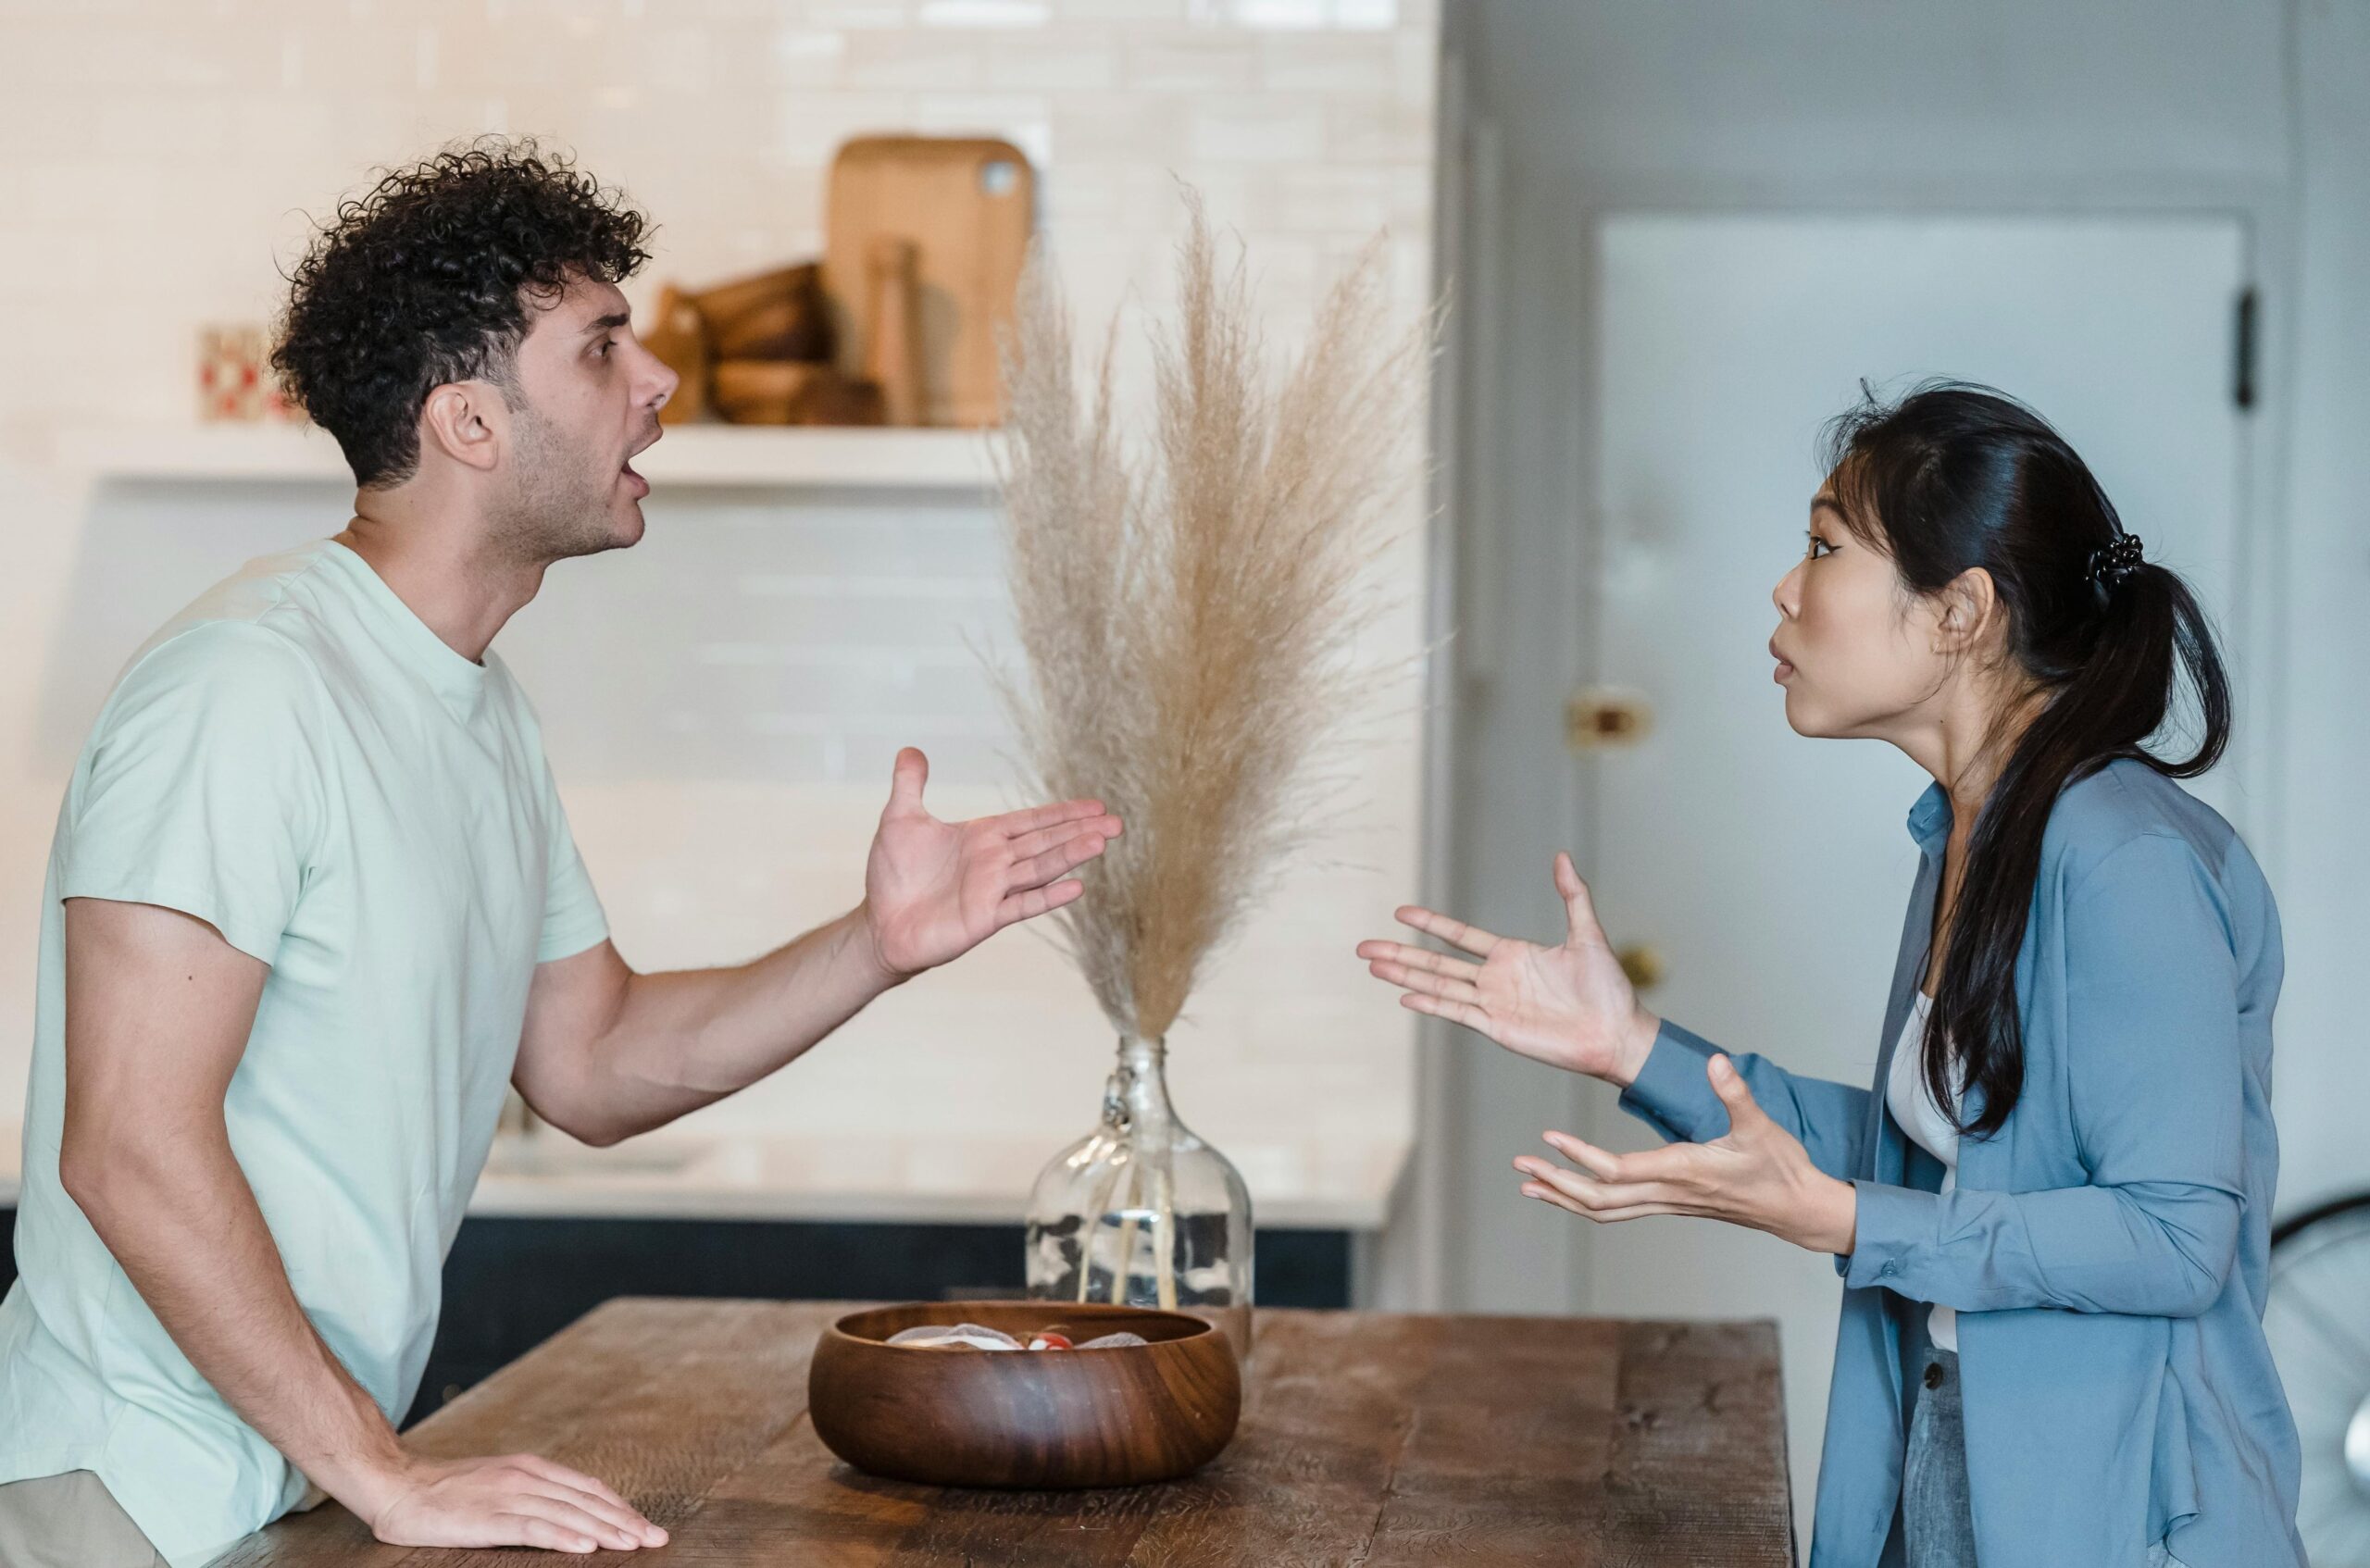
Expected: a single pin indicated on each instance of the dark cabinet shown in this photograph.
(510, 1284)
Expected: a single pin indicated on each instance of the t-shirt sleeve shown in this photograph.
(572, 916)
(201, 789)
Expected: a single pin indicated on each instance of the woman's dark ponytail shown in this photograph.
(1952, 477)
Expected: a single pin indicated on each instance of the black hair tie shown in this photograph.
(2111, 564)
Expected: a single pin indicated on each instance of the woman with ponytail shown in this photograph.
(2062, 1174)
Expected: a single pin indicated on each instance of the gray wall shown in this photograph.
(2256, 109)
(2322, 873)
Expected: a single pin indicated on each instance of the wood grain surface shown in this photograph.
(1366, 1439)
(1122, 1416)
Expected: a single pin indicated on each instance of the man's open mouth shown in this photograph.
(626, 468)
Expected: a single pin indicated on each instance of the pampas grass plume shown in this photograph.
(1187, 606)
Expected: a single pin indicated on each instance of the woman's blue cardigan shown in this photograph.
(2106, 1249)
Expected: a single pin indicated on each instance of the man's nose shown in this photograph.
(668, 380)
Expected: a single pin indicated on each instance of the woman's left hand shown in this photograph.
(1758, 1175)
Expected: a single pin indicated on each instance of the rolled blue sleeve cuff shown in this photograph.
(1889, 1225)
(1672, 1093)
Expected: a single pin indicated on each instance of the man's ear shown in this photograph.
(467, 421)
(1970, 605)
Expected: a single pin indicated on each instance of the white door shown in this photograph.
(1769, 873)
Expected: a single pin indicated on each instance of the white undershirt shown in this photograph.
(1913, 1107)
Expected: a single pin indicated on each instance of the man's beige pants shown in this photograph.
(68, 1521)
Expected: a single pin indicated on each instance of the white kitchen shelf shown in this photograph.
(764, 457)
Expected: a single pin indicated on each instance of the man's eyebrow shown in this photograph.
(604, 323)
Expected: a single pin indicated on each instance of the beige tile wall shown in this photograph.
(721, 701)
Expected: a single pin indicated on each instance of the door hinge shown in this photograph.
(2242, 349)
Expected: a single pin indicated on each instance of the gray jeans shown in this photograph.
(1938, 1524)
(1937, 1520)
(68, 1520)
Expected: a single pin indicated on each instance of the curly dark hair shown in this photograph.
(425, 280)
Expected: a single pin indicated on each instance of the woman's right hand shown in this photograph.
(1570, 1006)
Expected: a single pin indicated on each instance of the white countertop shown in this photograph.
(907, 1179)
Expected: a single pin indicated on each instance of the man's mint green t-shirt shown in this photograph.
(297, 760)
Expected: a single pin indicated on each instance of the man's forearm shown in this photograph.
(176, 1211)
(684, 1039)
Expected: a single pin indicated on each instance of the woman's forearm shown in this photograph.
(1636, 1047)
(1672, 1095)
(2153, 1249)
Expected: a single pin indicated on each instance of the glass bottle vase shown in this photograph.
(1141, 1211)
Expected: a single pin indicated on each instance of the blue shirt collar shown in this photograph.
(1930, 819)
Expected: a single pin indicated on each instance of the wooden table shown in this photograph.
(1366, 1439)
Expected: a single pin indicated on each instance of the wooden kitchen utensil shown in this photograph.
(1115, 1417)
(777, 315)
(966, 204)
(781, 392)
(677, 335)
(892, 345)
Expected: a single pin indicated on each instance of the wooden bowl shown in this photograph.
(780, 392)
(1048, 1419)
(776, 315)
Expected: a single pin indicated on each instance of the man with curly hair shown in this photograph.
(313, 903)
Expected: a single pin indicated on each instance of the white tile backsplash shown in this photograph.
(1165, 61)
(1281, 129)
(722, 703)
(985, 13)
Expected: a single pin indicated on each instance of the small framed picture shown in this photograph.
(234, 375)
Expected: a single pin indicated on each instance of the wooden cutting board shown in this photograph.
(965, 204)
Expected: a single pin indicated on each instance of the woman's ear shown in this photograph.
(1970, 613)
